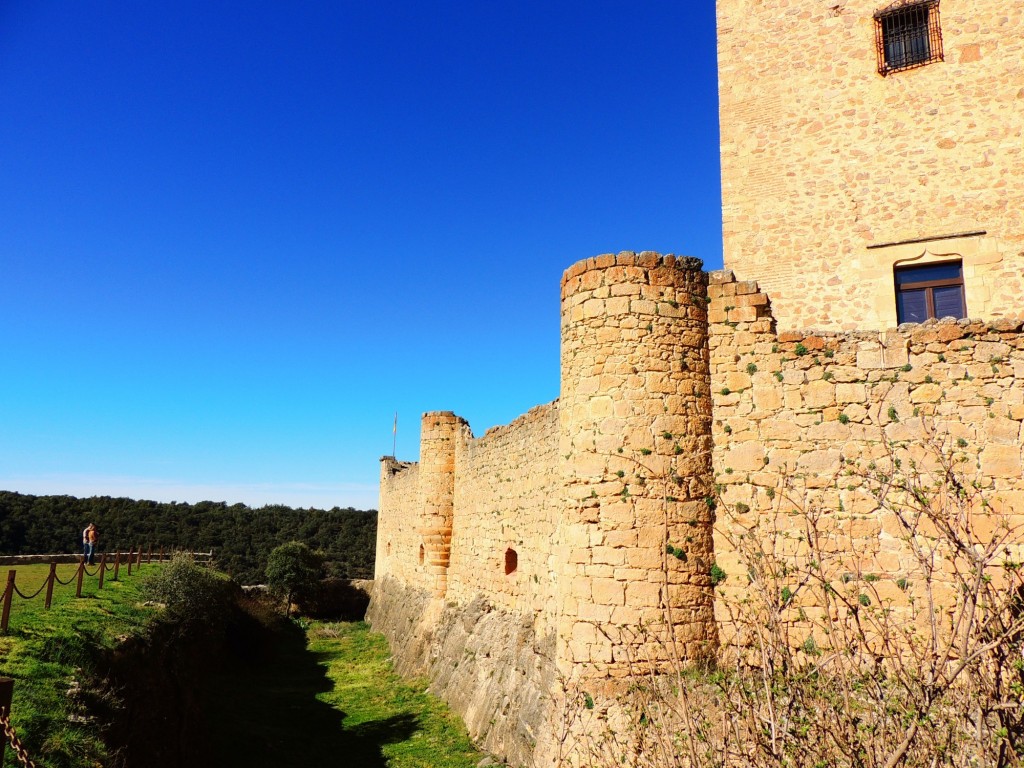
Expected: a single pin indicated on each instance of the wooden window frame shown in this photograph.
(929, 286)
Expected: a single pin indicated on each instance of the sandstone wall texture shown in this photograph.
(635, 438)
(824, 160)
(398, 534)
(489, 664)
(507, 507)
(801, 418)
(466, 578)
(583, 524)
(579, 544)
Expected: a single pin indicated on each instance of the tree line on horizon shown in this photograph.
(240, 537)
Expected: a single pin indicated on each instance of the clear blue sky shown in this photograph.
(236, 238)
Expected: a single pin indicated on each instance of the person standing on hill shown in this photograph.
(89, 538)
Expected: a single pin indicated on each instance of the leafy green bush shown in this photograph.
(190, 592)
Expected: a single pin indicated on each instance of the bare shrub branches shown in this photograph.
(829, 660)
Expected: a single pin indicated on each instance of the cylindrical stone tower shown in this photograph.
(439, 431)
(635, 542)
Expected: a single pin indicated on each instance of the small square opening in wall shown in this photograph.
(511, 561)
(908, 35)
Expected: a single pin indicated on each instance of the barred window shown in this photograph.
(907, 35)
(932, 290)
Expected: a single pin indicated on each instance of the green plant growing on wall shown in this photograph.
(677, 552)
(717, 575)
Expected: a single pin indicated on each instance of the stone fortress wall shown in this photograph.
(579, 543)
(555, 526)
(801, 417)
(563, 529)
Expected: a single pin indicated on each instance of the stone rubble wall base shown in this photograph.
(486, 663)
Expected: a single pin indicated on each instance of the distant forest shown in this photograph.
(241, 538)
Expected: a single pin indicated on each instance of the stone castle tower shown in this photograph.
(627, 477)
(873, 202)
(635, 444)
(862, 140)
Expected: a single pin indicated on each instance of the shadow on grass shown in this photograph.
(261, 709)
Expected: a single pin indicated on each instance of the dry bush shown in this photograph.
(823, 664)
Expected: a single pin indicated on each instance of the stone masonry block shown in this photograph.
(609, 592)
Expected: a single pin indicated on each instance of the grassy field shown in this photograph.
(411, 728)
(45, 650)
(325, 690)
(291, 693)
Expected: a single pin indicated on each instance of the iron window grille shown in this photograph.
(908, 35)
(930, 290)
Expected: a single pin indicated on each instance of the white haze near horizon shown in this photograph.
(255, 495)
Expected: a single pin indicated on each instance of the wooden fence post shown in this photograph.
(6, 696)
(81, 576)
(131, 560)
(117, 563)
(8, 596)
(149, 554)
(161, 554)
(103, 567)
(49, 584)
(138, 557)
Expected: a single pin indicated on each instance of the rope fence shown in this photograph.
(109, 562)
(132, 558)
